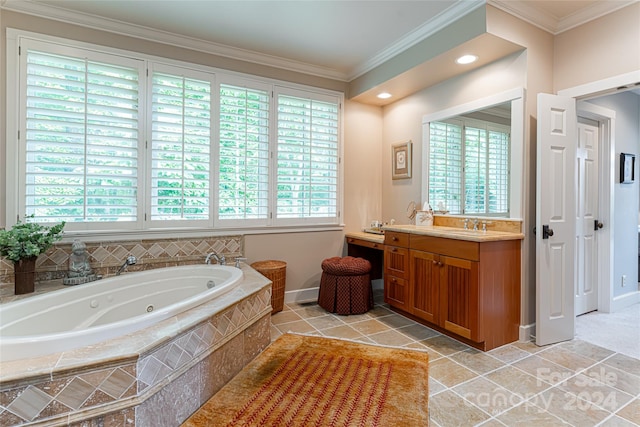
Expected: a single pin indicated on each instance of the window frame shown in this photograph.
(142, 227)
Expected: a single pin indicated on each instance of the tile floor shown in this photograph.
(573, 383)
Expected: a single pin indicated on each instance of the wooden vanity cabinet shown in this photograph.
(470, 290)
(396, 270)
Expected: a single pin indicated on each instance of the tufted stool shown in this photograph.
(345, 287)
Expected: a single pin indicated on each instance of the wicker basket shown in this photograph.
(276, 271)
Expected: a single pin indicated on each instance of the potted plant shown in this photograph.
(22, 244)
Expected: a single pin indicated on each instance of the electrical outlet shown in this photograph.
(624, 280)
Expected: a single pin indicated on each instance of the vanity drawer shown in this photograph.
(449, 247)
(365, 243)
(394, 238)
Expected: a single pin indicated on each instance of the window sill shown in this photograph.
(122, 235)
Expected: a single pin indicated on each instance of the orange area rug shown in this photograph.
(309, 381)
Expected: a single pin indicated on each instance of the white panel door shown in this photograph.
(555, 218)
(586, 283)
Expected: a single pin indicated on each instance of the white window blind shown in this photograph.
(81, 137)
(243, 180)
(498, 169)
(307, 158)
(469, 166)
(445, 165)
(475, 170)
(110, 140)
(180, 147)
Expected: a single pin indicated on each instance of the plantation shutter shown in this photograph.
(445, 165)
(181, 146)
(498, 170)
(307, 157)
(243, 154)
(81, 136)
(475, 170)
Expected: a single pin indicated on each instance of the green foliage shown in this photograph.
(28, 239)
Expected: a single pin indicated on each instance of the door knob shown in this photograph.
(546, 232)
(597, 225)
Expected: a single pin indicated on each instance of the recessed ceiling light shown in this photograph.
(384, 95)
(466, 59)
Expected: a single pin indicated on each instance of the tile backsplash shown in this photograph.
(106, 257)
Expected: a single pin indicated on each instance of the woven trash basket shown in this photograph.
(276, 271)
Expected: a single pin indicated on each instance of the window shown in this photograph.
(120, 141)
(243, 189)
(180, 145)
(469, 166)
(81, 131)
(307, 155)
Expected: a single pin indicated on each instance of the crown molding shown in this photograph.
(427, 29)
(164, 37)
(549, 23)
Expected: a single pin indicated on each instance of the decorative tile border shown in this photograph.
(105, 388)
(106, 257)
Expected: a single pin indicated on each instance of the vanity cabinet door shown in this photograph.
(425, 285)
(460, 297)
(396, 274)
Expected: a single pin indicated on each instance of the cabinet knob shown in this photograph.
(394, 238)
(394, 250)
(440, 264)
(434, 262)
(375, 245)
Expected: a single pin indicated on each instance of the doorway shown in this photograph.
(587, 215)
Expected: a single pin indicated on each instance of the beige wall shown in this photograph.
(600, 49)
(362, 165)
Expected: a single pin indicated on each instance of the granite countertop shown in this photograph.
(456, 233)
(439, 231)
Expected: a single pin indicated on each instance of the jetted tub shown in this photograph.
(97, 311)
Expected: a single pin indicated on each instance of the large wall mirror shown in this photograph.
(473, 157)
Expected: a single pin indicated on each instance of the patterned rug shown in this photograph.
(309, 381)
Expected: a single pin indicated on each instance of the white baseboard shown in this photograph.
(526, 332)
(624, 301)
(301, 295)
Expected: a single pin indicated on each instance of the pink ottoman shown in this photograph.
(345, 287)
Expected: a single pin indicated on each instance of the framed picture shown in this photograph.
(627, 168)
(401, 160)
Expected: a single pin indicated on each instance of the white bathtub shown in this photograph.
(87, 314)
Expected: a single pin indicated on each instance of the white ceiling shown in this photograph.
(331, 38)
(337, 39)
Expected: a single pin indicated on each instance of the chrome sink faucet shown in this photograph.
(220, 259)
(131, 260)
(466, 223)
(475, 224)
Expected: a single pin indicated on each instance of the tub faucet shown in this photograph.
(220, 259)
(131, 260)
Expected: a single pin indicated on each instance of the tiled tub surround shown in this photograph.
(106, 257)
(156, 376)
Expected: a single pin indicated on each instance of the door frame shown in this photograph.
(606, 117)
(606, 180)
